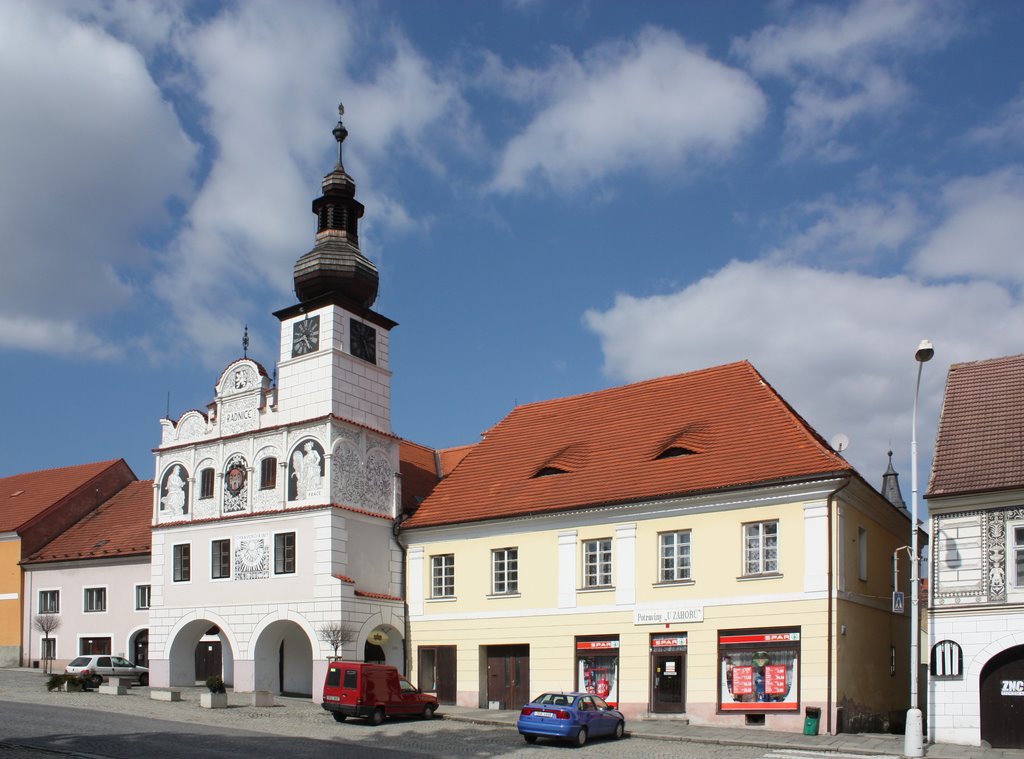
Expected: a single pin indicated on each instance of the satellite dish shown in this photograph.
(840, 442)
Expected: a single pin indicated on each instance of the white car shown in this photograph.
(94, 668)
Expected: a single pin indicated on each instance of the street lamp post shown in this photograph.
(913, 742)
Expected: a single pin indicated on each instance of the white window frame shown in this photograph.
(505, 571)
(295, 554)
(670, 557)
(756, 548)
(185, 581)
(1015, 555)
(597, 563)
(230, 572)
(442, 575)
(149, 595)
(39, 601)
(85, 599)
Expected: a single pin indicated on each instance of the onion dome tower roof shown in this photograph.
(335, 267)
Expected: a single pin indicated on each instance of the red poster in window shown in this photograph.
(775, 679)
(742, 681)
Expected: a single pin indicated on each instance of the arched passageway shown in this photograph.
(200, 649)
(1001, 698)
(283, 659)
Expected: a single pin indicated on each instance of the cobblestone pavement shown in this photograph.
(472, 732)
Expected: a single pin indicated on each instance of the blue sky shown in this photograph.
(561, 196)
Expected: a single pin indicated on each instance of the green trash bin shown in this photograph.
(812, 719)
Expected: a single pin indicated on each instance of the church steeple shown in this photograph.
(891, 486)
(336, 267)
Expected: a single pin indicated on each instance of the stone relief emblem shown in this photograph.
(174, 491)
(236, 490)
(252, 557)
(306, 471)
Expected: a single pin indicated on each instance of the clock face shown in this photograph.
(364, 341)
(306, 336)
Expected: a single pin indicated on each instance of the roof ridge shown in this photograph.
(106, 463)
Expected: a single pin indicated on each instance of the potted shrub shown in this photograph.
(216, 696)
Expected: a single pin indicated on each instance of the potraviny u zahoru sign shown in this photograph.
(668, 616)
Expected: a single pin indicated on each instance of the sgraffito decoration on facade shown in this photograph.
(306, 471)
(368, 486)
(236, 484)
(265, 499)
(252, 557)
(239, 415)
(970, 565)
(174, 491)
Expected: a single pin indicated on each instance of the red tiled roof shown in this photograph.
(452, 457)
(737, 429)
(345, 578)
(26, 496)
(418, 466)
(979, 445)
(380, 596)
(119, 527)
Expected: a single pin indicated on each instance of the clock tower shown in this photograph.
(334, 346)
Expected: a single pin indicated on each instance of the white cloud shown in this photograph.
(652, 103)
(1006, 128)
(844, 65)
(62, 337)
(838, 346)
(982, 233)
(91, 154)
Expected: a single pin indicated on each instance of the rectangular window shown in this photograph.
(284, 553)
(94, 646)
(760, 548)
(49, 646)
(1018, 556)
(597, 563)
(95, 599)
(862, 554)
(49, 602)
(442, 576)
(142, 597)
(674, 553)
(220, 559)
(268, 474)
(182, 562)
(505, 571)
(206, 483)
(759, 670)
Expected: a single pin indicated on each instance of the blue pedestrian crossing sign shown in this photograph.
(897, 602)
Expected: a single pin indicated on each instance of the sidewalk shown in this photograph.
(872, 744)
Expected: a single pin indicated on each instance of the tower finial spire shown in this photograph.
(245, 342)
(340, 133)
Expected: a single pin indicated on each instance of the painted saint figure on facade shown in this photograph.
(307, 472)
(175, 491)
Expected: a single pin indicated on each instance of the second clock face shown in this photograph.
(306, 336)
(364, 341)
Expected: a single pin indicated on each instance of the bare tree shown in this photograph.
(335, 634)
(46, 624)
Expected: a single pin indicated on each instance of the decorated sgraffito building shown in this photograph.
(273, 510)
(976, 514)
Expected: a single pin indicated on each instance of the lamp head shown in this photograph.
(925, 351)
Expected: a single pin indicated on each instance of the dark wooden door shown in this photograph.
(668, 683)
(436, 672)
(141, 653)
(508, 675)
(208, 659)
(1002, 699)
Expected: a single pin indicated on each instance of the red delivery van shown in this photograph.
(373, 691)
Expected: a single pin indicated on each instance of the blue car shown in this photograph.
(569, 716)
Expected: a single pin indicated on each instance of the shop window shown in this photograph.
(761, 548)
(284, 553)
(182, 557)
(220, 559)
(88, 646)
(206, 483)
(142, 595)
(597, 667)
(597, 563)
(95, 600)
(268, 473)
(442, 576)
(49, 602)
(674, 552)
(505, 571)
(759, 670)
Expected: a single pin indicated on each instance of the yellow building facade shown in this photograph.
(744, 606)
